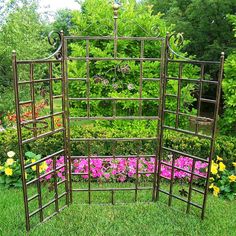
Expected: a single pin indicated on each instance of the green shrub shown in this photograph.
(225, 145)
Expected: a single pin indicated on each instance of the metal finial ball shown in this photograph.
(116, 6)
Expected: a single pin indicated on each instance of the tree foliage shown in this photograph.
(204, 23)
(228, 123)
(23, 31)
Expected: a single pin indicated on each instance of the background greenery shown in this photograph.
(225, 146)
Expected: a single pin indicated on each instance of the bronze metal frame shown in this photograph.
(63, 58)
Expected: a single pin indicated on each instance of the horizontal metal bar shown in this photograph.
(47, 204)
(188, 132)
(181, 169)
(170, 95)
(116, 118)
(33, 197)
(194, 61)
(43, 135)
(198, 118)
(73, 173)
(115, 156)
(198, 191)
(208, 100)
(44, 175)
(110, 139)
(193, 80)
(57, 96)
(37, 61)
(61, 182)
(113, 99)
(41, 118)
(111, 59)
(38, 81)
(112, 189)
(25, 102)
(44, 159)
(152, 79)
(83, 79)
(185, 154)
(52, 215)
(179, 198)
(112, 38)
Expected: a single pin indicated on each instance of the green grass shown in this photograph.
(121, 219)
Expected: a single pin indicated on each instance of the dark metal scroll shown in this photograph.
(55, 40)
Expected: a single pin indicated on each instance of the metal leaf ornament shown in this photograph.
(124, 69)
(183, 192)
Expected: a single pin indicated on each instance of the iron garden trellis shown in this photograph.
(38, 124)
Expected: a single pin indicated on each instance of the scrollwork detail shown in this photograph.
(55, 40)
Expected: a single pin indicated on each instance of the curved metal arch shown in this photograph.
(54, 39)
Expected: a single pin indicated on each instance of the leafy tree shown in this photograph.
(63, 21)
(203, 22)
(22, 30)
(228, 123)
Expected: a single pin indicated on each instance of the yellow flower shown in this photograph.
(216, 191)
(211, 186)
(234, 164)
(9, 161)
(1, 168)
(11, 154)
(44, 165)
(211, 179)
(8, 171)
(214, 168)
(33, 168)
(232, 178)
(221, 166)
(219, 158)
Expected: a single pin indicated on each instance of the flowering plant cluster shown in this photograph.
(10, 171)
(223, 181)
(27, 113)
(123, 169)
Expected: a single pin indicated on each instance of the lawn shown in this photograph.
(121, 219)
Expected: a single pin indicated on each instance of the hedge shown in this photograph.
(225, 145)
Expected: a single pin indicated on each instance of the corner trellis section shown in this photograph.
(39, 206)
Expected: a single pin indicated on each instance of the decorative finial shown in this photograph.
(116, 7)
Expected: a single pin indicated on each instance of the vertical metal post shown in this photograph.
(19, 135)
(199, 98)
(178, 95)
(115, 8)
(32, 94)
(214, 126)
(141, 78)
(65, 115)
(190, 185)
(159, 121)
(162, 112)
(172, 178)
(51, 96)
